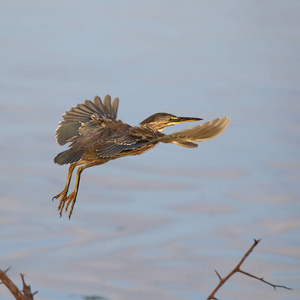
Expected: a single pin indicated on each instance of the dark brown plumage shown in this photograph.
(96, 137)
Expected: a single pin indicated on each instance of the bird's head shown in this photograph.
(160, 121)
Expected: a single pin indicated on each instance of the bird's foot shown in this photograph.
(71, 199)
(63, 196)
(65, 201)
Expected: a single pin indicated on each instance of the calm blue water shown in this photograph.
(154, 226)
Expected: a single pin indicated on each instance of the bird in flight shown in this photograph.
(96, 137)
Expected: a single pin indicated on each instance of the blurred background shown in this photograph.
(154, 226)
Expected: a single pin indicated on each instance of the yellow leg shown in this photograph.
(63, 194)
(72, 197)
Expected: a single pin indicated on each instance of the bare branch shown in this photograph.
(262, 279)
(218, 275)
(238, 270)
(26, 295)
(27, 288)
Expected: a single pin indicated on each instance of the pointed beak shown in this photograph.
(178, 120)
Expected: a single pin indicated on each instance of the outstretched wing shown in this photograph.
(200, 133)
(83, 117)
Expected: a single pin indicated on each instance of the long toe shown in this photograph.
(71, 199)
(62, 194)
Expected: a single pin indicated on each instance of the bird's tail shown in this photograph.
(200, 133)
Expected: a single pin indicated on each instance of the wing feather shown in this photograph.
(107, 103)
(69, 128)
(200, 133)
(122, 143)
(101, 107)
(109, 149)
(115, 106)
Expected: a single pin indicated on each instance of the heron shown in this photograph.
(96, 136)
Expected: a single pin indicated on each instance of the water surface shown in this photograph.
(153, 226)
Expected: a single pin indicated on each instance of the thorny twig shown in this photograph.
(24, 295)
(237, 269)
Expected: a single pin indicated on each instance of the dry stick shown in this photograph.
(26, 295)
(237, 269)
(27, 289)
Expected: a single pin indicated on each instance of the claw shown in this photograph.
(65, 201)
(63, 198)
(56, 197)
